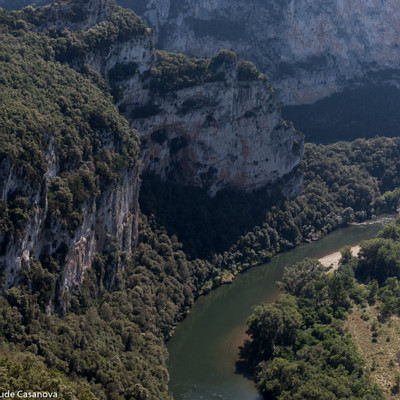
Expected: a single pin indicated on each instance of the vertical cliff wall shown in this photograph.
(309, 48)
(222, 128)
(69, 167)
(213, 124)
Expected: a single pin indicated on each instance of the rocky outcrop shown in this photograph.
(110, 222)
(110, 40)
(309, 48)
(224, 133)
(77, 14)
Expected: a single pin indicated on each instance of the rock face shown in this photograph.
(226, 133)
(109, 221)
(114, 42)
(310, 48)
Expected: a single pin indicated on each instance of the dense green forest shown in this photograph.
(46, 103)
(299, 346)
(109, 341)
(176, 71)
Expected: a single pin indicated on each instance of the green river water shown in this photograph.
(205, 346)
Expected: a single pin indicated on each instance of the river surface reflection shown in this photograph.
(205, 346)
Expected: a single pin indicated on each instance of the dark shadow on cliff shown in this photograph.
(358, 112)
(204, 225)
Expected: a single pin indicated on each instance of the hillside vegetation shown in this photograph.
(47, 104)
(109, 341)
(333, 336)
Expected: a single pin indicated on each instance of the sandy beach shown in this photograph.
(332, 260)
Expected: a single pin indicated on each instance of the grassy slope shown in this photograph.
(382, 356)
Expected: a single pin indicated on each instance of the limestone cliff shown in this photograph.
(221, 129)
(106, 37)
(310, 48)
(109, 222)
(68, 168)
(211, 124)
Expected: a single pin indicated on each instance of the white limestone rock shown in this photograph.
(310, 48)
(219, 134)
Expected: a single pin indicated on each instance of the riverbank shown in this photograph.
(331, 261)
(204, 349)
